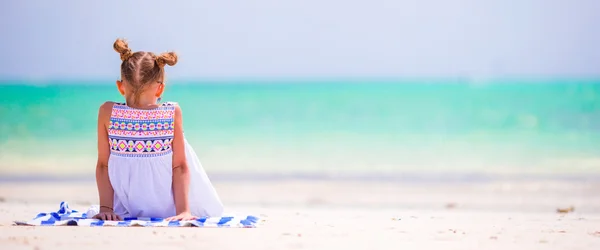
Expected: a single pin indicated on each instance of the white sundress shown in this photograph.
(140, 165)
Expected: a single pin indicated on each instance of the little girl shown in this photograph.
(145, 166)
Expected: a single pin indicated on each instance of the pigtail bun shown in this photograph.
(169, 58)
(122, 47)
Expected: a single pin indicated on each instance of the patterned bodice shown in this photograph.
(141, 133)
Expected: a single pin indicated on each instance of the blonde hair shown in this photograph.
(141, 68)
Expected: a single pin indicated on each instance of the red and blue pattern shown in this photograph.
(141, 133)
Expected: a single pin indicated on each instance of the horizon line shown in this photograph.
(303, 80)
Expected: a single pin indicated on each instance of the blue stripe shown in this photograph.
(62, 207)
(124, 223)
(98, 223)
(47, 223)
(55, 216)
(40, 215)
(251, 218)
(224, 220)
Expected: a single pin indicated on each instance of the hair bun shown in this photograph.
(169, 58)
(122, 47)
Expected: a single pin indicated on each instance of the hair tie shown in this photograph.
(159, 61)
(126, 55)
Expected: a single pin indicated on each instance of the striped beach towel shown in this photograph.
(66, 216)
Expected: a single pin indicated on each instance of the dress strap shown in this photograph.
(169, 104)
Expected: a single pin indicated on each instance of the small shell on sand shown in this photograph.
(565, 210)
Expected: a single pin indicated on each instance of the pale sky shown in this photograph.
(305, 38)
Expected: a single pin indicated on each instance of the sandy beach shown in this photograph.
(335, 215)
(341, 125)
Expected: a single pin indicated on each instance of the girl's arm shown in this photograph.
(105, 189)
(181, 173)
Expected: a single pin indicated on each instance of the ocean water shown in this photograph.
(325, 127)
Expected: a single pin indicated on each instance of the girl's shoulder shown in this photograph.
(173, 106)
(105, 110)
(107, 106)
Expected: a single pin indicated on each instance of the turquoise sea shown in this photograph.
(370, 128)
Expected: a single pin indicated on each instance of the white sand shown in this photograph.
(335, 215)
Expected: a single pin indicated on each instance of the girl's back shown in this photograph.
(140, 160)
